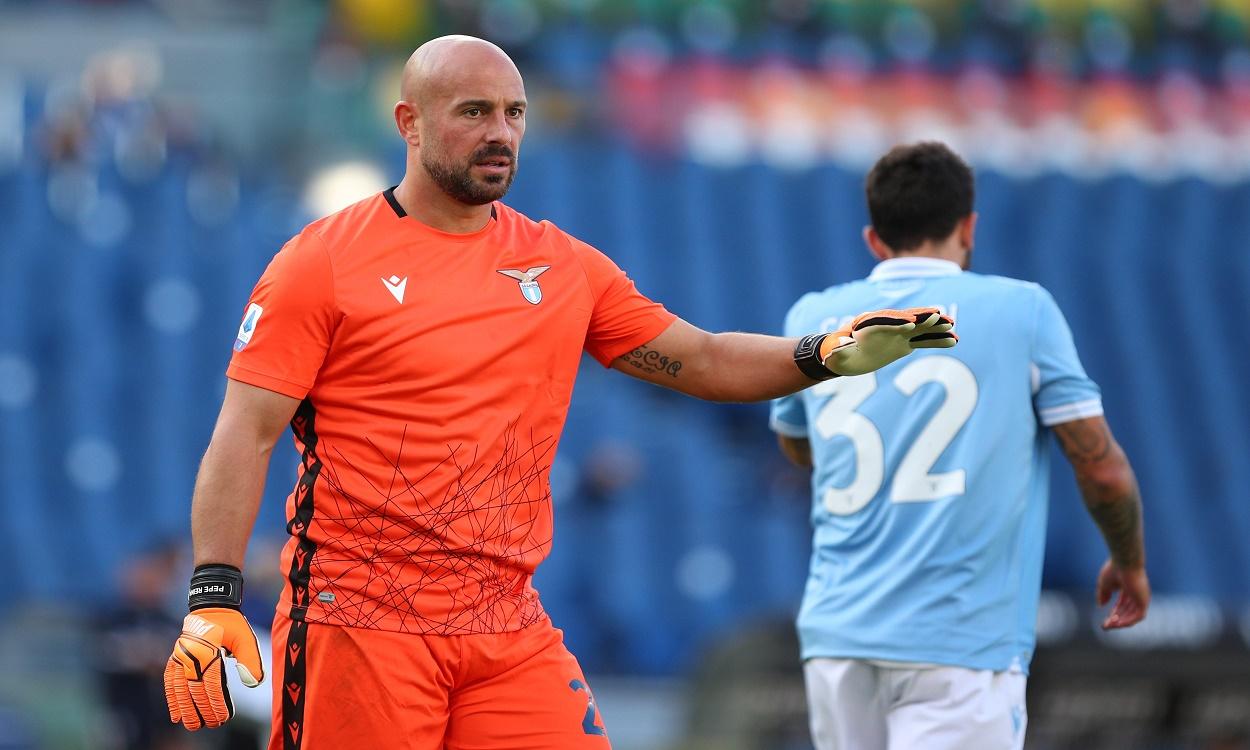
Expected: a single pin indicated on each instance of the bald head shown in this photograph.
(443, 62)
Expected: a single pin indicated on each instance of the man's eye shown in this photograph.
(473, 111)
(515, 112)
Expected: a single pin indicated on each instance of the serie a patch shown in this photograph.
(248, 326)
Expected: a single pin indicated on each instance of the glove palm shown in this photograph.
(875, 339)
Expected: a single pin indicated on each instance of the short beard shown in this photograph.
(459, 182)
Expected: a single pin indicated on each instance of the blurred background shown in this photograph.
(154, 154)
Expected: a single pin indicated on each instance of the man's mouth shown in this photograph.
(497, 162)
(494, 168)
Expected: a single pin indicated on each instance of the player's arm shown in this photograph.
(231, 480)
(1111, 495)
(754, 367)
(227, 496)
(717, 367)
(798, 450)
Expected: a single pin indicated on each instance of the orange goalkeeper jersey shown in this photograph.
(435, 372)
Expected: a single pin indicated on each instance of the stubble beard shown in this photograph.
(458, 181)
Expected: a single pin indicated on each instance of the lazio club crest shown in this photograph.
(530, 289)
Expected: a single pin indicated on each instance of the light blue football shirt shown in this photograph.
(931, 475)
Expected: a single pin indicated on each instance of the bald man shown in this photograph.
(422, 345)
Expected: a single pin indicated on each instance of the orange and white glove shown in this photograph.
(195, 676)
(873, 340)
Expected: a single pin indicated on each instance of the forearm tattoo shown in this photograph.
(651, 362)
(1117, 511)
(1083, 442)
(1120, 523)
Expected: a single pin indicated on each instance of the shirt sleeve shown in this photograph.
(787, 415)
(1062, 392)
(623, 319)
(288, 321)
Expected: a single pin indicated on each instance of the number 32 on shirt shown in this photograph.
(912, 481)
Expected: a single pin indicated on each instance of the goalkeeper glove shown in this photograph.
(872, 341)
(195, 676)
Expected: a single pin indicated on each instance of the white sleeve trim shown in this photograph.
(786, 428)
(1054, 415)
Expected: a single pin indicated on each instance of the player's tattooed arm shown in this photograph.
(652, 362)
(1107, 485)
(716, 366)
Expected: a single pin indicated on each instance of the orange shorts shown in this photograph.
(339, 688)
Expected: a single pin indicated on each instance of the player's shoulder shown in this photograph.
(1005, 302)
(817, 305)
(1005, 286)
(802, 305)
(1006, 283)
(515, 222)
(805, 302)
(508, 215)
(336, 232)
(834, 294)
(520, 230)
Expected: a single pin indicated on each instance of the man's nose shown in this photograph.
(499, 132)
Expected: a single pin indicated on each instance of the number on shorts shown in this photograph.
(589, 725)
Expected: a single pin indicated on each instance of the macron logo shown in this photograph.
(197, 626)
(395, 286)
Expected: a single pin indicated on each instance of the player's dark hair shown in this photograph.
(918, 192)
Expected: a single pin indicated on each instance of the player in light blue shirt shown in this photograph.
(930, 484)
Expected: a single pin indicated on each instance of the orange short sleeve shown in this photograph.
(288, 321)
(623, 319)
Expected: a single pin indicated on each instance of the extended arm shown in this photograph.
(231, 480)
(754, 367)
(717, 366)
(1111, 496)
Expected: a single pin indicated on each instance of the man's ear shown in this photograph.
(968, 231)
(406, 120)
(879, 249)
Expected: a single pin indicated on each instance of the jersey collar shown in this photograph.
(389, 194)
(912, 267)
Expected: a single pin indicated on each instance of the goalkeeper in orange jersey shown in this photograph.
(422, 346)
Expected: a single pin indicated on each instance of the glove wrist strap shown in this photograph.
(807, 357)
(215, 585)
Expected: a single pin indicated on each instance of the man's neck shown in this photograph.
(953, 252)
(428, 204)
